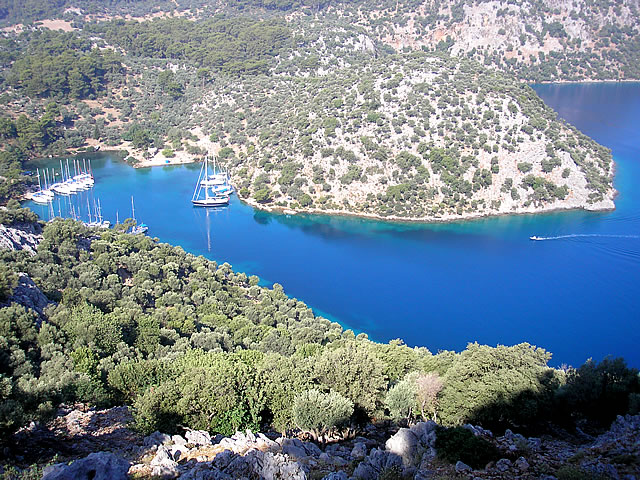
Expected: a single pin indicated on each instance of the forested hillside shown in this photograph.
(134, 321)
(538, 40)
(312, 115)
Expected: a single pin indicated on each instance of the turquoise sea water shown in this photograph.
(439, 285)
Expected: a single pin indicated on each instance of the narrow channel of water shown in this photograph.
(576, 294)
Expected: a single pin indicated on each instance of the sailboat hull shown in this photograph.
(211, 202)
(215, 187)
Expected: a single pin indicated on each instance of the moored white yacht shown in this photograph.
(211, 190)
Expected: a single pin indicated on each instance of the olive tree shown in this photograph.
(321, 413)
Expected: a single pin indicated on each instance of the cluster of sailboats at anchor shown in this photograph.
(67, 184)
(85, 206)
(69, 193)
(212, 189)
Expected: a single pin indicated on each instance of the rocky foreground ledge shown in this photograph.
(105, 448)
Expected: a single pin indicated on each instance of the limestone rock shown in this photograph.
(404, 444)
(272, 466)
(241, 442)
(164, 457)
(165, 471)
(429, 455)
(478, 431)
(462, 467)
(338, 450)
(20, 237)
(503, 464)
(198, 437)
(336, 476)
(298, 449)
(534, 444)
(522, 464)
(96, 466)
(375, 462)
(29, 295)
(359, 451)
(178, 440)
(223, 459)
(411, 443)
(599, 469)
(156, 438)
(204, 471)
(425, 431)
(265, 443)
(293, 448)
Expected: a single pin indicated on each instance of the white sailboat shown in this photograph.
(214, 187)
(39, 197)
(142, 228)
(45, 190)
(101, 222)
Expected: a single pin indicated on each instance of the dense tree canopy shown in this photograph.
(50, 64)
(235, 45)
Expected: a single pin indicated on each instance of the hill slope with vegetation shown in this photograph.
(316, 115)
(134, 321)
(189, 343)
(537, 40)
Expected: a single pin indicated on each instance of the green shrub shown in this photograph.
(524, 167)
(453, 444)
(401, 399)
(318, 413)
(8, 281)
(569, 472)
(600, 391)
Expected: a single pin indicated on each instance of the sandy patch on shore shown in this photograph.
(56, 25)
(158, 159)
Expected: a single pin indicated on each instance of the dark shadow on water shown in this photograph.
(262, 218)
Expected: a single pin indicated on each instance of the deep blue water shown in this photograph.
(438, 285)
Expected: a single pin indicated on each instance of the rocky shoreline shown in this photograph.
(429, 219)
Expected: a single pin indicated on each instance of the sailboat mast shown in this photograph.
(206, 177)
(196, 191)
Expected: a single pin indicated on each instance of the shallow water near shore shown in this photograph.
(576, 293)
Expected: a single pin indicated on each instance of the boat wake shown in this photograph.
(582, 235)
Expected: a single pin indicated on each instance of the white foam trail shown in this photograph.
(580, 235)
